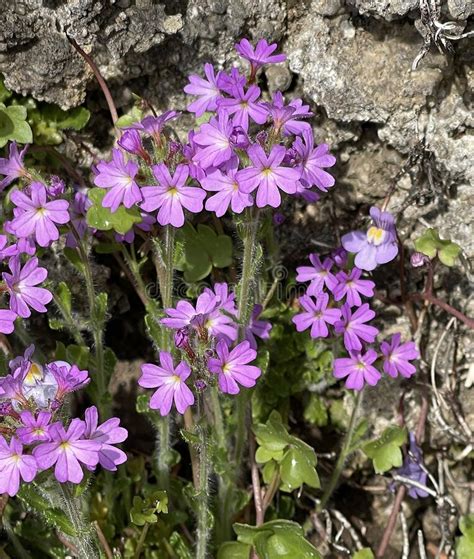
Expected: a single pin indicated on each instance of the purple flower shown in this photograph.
(215, 137)
(6, 251)
(243, 104)
(14, 465)
(56, 187)
(131, 141)
(78, 211)
(171, 383)
(228, 191)
(378, 245)
(268, 176)
(220, 326)
(185, 313)
(170, 196)
(350, 286)
(317, 315)
(339, 255)
(37, 216)
(207, 91)
(232, 367)
(35, 427)
(412, 469)
(312, 161)
(7, 319)
(108, 434)
(21, 287)
(319, 274)
(353, 326)
(278, 219)
(118, 176)
(228, 82)
(260, 55)
(154, 125)
(67, 451)
(397, 357)
(12, 167)
(418, 259)
(259, 328)
(69, 378)
(287, 117)
(226, 300)
(358, 369)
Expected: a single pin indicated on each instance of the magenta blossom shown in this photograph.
(35, 427)
(21, 284)
(268, 176)
(312, 162)
(118, 176)
(378, 245)
(35, 215)
(228, 192)
(108, 434)
(260, 55)
(228, 82)
(319, 274)
(68, 378)
(226, 299)
(232, 367)
(358, 369)
(257, 327)
(6, 250)
(67, 451)
(154, 125)
(171, 383)
(131, 141)
(243, 104)
(351, 286)
(171, 195)
(14, 465)
(397, 357)
(7, 321)
(215, 141)
(12, 167)
(184, 313)
(207, 91)
(353, 326)
(288, 117)
(316, 315)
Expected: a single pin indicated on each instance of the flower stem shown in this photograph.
(345, 452)
(203, 513)
(83, 541)
(141, 541)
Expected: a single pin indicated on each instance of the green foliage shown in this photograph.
(146, 510)
(103, 219)
(364, 553)
(134, 115)
(465, 543)
(291, 457)
(277, 539)
(385, 451)
(315, 411)
(432, 245)
(73, 353)
(203, 250)
(13, 125)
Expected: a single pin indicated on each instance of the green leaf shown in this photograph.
(364, 553)
(234, 550)
(431, 245)
(74, 119)
(135, 115)
(103, 219)
(299, 466)
(203, 250)
(13, 125)
(272, 436)
(146, 510)
(315, 411)
(180, 547)
(79, 355)
(64, 295)
(465, 544)
(385, 451)
(74, 258)
(4, 92)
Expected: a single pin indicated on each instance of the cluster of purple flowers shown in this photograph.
(33, 434)
(206, 336)
(247, 152)
(38, 212)
(334, 299)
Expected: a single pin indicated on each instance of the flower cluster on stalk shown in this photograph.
(35, 436)
(335, 303)
(206, 338)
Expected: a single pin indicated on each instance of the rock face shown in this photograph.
(352, 60)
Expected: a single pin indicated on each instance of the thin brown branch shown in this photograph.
(257, 490)
(469, 322)
(103, 541)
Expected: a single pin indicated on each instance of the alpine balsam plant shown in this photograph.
(245, 154)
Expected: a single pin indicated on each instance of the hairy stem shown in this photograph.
(203, 524)
(345, 452)
(141, 541)
(83, 541)
(69, 321)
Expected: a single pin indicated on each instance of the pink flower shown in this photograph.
(358, 369)
(67, 451)
(317, 316)
(214, 140)
(108, 434)
(171, 383)
(319, 274)
(353, 326)
(351, 286)
(232, 367)
(268, 176)
(397, 357)
(7, 321)
(36, 216)
(243, 104)
(35, 427)
(207, 91)
(260, 55)
(312, 162)
(14, 465)
(229, 192)
(171, 196)
(12, 167)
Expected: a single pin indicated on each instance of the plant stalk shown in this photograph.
(345, 452)
(203, 504)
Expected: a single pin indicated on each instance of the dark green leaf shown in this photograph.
(103, 219)
(385, 451)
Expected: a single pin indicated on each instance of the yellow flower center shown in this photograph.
(375, 235)
(34, 374)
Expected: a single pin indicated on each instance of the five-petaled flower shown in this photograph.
(14, 465)
(316, 316)
(353, 326)
(397, 357)
(358, 369)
